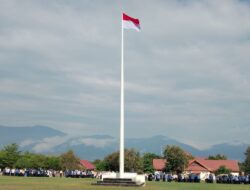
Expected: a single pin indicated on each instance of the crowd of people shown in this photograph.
(195, 178)
(157, 176)
(46, 173)
(233, 179)
(31, 172)
(162, 176)
(79, 174)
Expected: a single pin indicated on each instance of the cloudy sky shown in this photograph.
(187, 73)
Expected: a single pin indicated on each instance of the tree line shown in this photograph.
(177, 160)
(12, 157)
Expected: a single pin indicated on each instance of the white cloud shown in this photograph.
(93, 142)
(47, 144)
(27, 143)
(188, 70)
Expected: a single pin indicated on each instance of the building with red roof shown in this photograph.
(201, 166)
(86, 164)
(159, 164)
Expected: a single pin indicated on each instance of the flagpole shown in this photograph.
(122, 107)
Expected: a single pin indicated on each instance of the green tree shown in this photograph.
(132, 162)
(53, 162)
(148, 162)
(176, 158)
(2, 159)
(24, 161)
(222, 170)
(38, 161)
(32, 160)
(10, 155)
(217, 157)
(241, 166)
(69, 161)
(112, 161)
(100, 165)
(247, 161)
(96, 161)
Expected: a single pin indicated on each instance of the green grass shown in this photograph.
(33, 183)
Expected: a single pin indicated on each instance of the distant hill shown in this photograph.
(235, 152)
(44, 139)
(19, 134)
(156, 144)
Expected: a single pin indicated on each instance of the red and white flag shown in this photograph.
(130, 23)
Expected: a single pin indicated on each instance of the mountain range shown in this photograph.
(42, 139)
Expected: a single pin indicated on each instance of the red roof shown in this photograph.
(212, 165)
(159, 164)
(87, 165)
(196, 167)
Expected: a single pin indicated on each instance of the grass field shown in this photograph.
(33, 183)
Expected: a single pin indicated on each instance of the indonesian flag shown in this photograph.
(130, 23)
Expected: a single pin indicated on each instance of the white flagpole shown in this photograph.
(122, 108)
